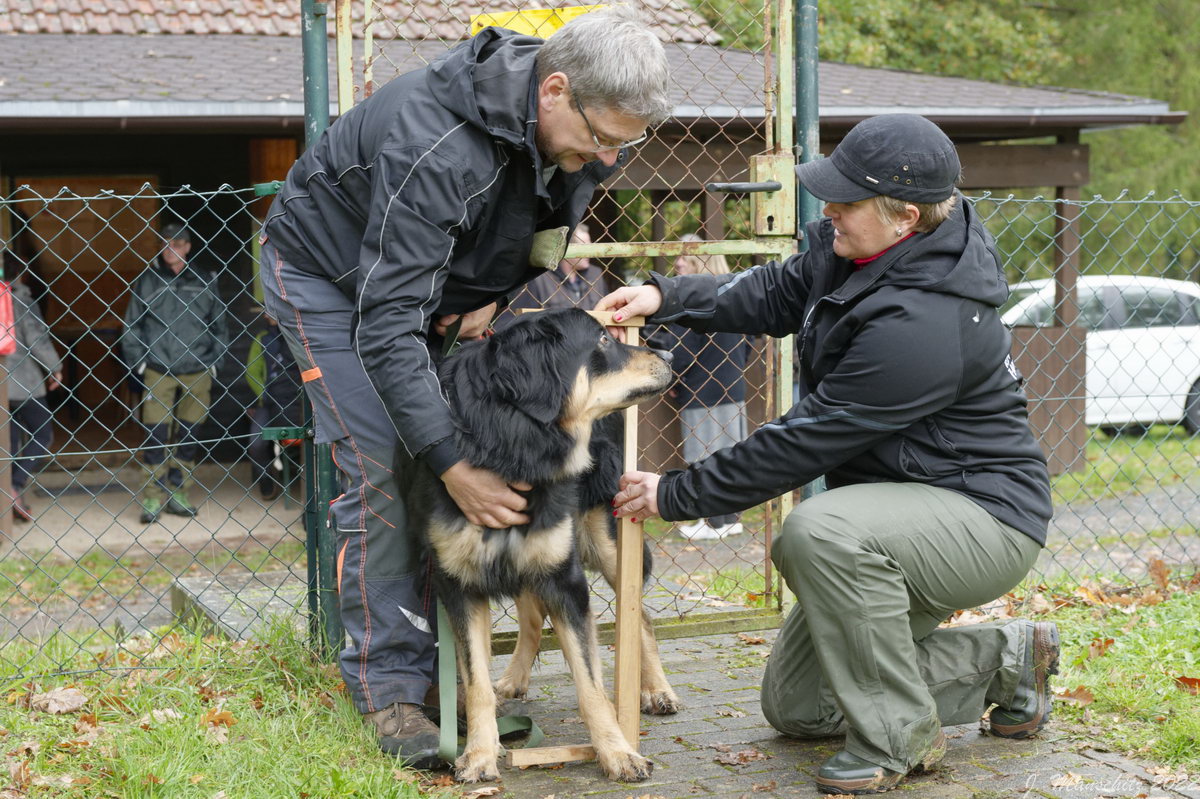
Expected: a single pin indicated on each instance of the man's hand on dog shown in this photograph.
(638, 495)
(473, 323)
(628, 302)
(484, 497)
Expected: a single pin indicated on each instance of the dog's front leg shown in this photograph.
(576, 628)
(478, 760)
(531, 615)
(599, 549)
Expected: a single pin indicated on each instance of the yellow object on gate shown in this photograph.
(540, 22)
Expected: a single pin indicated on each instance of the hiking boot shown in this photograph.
(179, 505)
(1030, 708)
(845, 773)
(405, 732)
(432, 705)
(268, 486)
(151, 508)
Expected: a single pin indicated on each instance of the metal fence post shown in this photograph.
(321, 476)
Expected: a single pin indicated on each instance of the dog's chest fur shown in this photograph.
(504, 562)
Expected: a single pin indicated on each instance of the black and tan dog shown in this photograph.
(529, 404)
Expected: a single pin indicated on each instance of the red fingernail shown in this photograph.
(617, 317)
(633, 520)
(614, 513)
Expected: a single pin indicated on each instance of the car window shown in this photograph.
(1156, 307)
(1039, 312)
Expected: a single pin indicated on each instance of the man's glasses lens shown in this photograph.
(600, 148)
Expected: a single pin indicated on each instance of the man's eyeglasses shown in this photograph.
(601, 148)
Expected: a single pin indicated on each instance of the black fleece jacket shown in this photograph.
(422, 201)
(905, 376)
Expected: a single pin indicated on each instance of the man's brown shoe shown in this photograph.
(845, 773)
(404, 731)
(1030, 708)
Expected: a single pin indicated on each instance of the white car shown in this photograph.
(1143, 345)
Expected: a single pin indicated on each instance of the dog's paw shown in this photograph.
(509, 687)
(661, 703)
(626, 766)
(476, 767)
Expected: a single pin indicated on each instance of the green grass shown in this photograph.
(1139, 708)
(1135, 461)
(31, 580)
(283, 726)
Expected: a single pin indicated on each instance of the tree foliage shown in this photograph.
(1145, 48)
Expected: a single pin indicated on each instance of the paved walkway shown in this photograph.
(720, 745)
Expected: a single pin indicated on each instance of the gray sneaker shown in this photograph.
(406, 732)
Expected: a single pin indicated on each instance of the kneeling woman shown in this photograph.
(912, 408)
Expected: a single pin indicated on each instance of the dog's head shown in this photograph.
(546, 378)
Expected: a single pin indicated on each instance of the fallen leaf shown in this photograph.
(1066, 780)
(59, 701)
(752, 640)
(152, 779)
(1189, 684)
(216, 734)
(740, 758)
(196, 779)
(1079, 696)
(18, 773)
(1160, 572)
(442, 781)
(1098, 647)
(730, 712)
(765, 787)
(63, 780)
(487, 790)
(1038, 604)
(218, 717)
(26, 748)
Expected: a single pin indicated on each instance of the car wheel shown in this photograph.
(1191, 410)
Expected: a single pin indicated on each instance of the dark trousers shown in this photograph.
(32, 432)
(383, 585)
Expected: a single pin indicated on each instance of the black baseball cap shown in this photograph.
(176, 231)
(900, 155)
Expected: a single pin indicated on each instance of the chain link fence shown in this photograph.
(1114, 398)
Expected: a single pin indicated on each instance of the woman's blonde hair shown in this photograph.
(931, 214)
(705, 264)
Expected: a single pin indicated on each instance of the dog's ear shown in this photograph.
(526, 369)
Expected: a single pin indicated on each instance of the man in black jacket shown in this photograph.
(174, 338)
(418, 210)
(911, 407)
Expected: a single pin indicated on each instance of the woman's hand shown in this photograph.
(628, 302)
(484, 497)
(638, 495)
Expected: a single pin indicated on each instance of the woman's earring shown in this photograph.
(899, 231)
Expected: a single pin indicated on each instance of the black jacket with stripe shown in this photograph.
(422, 201)
(905, 376)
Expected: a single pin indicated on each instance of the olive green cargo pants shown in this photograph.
(875, 569)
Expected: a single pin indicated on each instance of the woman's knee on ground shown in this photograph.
(801, 717)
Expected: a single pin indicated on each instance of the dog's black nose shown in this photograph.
(665, 355)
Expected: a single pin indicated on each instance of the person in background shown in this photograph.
(576, 283)
(274, 377)
(912, 408)
(709, 390)
(33, 369)
(174, 337)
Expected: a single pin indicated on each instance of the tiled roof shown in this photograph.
(72, 77)
(674, 20)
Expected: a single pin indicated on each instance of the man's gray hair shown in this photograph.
(613, 61)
